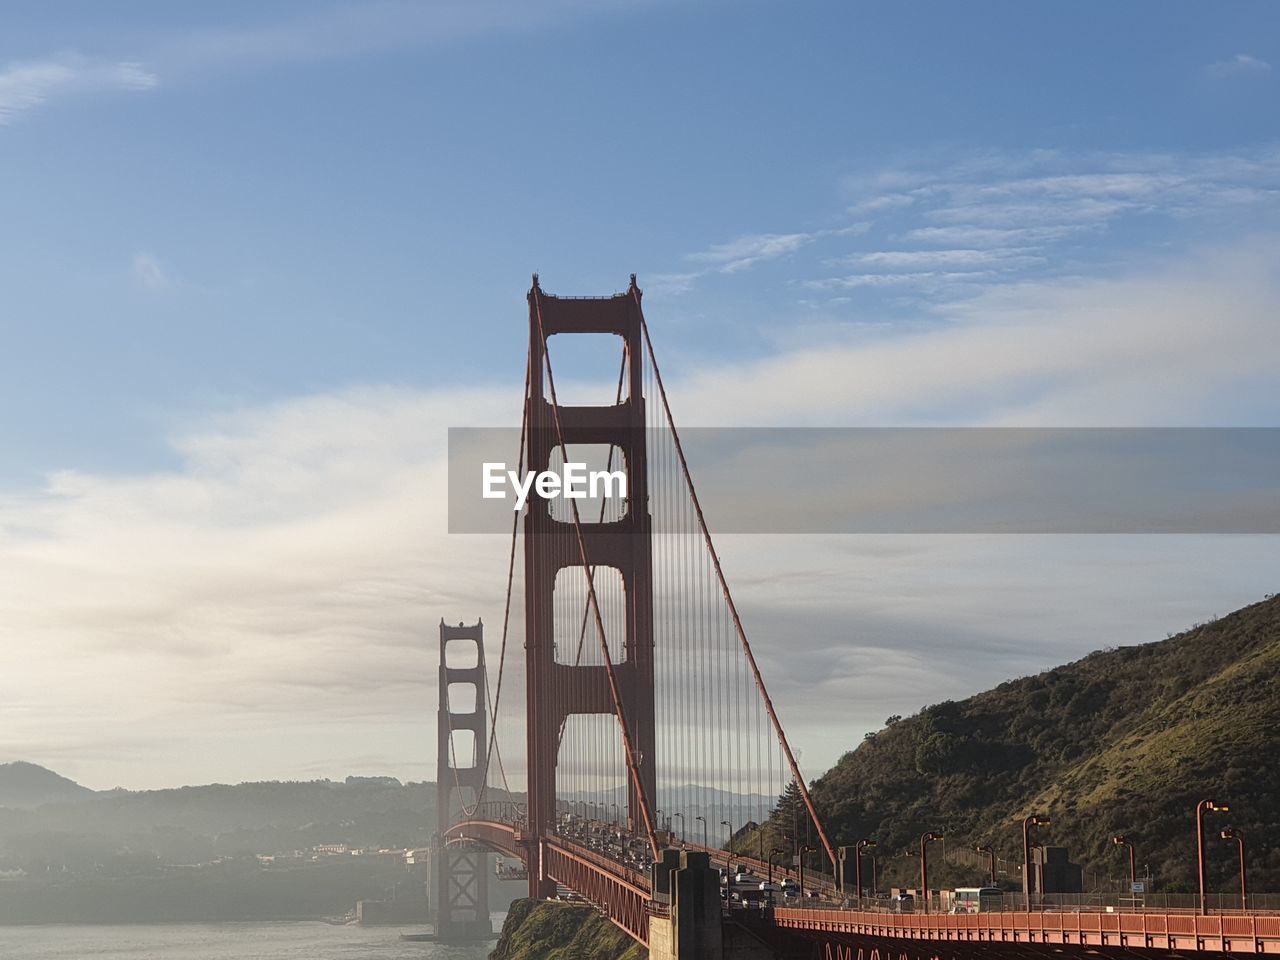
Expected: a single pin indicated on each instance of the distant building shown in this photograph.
(372, 782)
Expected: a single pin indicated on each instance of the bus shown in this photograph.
(977, 900)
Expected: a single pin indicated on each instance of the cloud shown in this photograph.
(1028, 237)
(932, 278)
(947, 230)
(746, 251)
(288, 572)
(670, 284)
(1152, 347)
(148, 272)
(26, 85)
(915, 259)
(1240, 64)
(345, 30)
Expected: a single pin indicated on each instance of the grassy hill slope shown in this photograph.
(1124, 741)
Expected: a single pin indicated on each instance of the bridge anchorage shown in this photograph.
(649, 726)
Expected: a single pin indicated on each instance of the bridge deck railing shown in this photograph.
(1163, 903)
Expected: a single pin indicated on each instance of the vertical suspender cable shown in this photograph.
(728, 598)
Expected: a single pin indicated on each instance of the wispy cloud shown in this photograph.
(746, 251)
(344, 30)
(148, 272)
(929, 278)
(1001, 217)
(26, 85)
(1240, 64)
(917, 259)
(670, 284)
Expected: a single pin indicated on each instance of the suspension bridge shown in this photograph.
(651, 741)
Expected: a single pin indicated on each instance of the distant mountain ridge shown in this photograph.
(24, 784)
(1124, 741)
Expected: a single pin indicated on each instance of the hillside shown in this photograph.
(1126, 741)
(196, 824)
(549, 930)
(29, 785)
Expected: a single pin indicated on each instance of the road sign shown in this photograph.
(1139, 886)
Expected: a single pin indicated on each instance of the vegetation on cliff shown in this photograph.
(548, 930)
(1126, 740)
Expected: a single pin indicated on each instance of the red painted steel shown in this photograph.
(622, 894)
(624, 897)
(554, 690)
(1003, 932)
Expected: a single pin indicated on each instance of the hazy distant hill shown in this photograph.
(1124, 741)
(29, 785)
(195, 824)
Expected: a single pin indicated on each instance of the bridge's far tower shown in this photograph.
(558, 690)
(461, 877)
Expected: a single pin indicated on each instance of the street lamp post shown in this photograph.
(772, 853)
(991, 861)
(858, 847)
(1035, 820)
(729, 842)
(925, 840)
(615, 812)
(704, 831)
(1203, 807)
(1231, 833)
(1120, 840)
(805, 848)
(681, 816)
(776, 851)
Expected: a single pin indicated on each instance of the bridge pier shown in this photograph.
(685, 881)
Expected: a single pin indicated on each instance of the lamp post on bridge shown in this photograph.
(729, 842)
(704, 831)
(681, 816)
(863, 844)
(1035, 820)
(1120, 840)
(804, 848)
(776, 851)
(925, 840)
(615, 812)
(858, 847)
(1203, 807)
(991, 860)
(1231, 833)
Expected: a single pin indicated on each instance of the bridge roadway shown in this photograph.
(826, 930)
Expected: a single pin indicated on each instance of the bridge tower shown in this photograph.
(461, 876)
(556, 690)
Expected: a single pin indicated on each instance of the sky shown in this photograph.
(256, 258)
